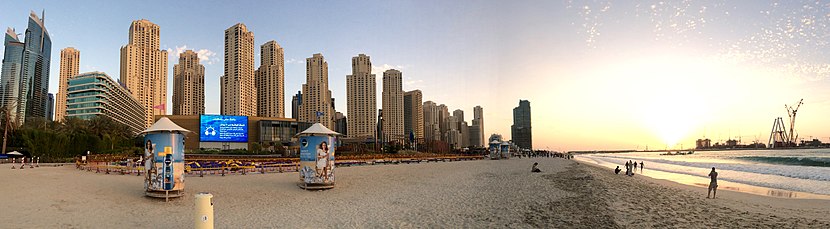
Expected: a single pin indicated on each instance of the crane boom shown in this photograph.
(791, 112)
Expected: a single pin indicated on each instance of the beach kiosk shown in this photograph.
(164, 159)
(505, 150)
(317, 157)
(495, 151)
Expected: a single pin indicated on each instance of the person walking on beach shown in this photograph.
(641, 166)
(713, 185)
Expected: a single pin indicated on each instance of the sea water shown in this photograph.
(799, 170)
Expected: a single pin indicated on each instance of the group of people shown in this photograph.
(630, 168)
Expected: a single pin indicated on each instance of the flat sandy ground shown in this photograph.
(445, 194)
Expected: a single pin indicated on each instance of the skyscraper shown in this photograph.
(443, 122)
(50, 107)
(463, 129)
(296, 101)
(393, 105)
(188, 85)
(340, 123)
(11, 76)
(24, 80)
(361, 99)
(432, 129)
(270, 80)
(70, 66)
(477, 129)
(144, 69)
(520, 132)
(239, 95)
(316, 107)
(413, 114)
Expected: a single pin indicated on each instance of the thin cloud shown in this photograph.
(205, 55)
(379, 69)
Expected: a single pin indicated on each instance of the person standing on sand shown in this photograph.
(641, 166)
(627, 168)
(713, 185)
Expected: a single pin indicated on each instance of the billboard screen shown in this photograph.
(223, 128)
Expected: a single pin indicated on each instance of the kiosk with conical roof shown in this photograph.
(495, 151)
(317, 157)
(164, 159)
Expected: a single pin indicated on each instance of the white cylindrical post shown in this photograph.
(204, 211)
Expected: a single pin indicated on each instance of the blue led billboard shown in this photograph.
(223, 128)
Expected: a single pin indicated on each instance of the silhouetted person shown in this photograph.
(534, 169)
(641, 166)
(617, 170)
(713, 185)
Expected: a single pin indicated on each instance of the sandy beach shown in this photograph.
(445, 194)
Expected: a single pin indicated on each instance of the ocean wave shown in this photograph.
(803, 161)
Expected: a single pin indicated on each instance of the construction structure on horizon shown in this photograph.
(779, 136)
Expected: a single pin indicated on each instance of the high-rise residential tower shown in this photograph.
(361, 99)
(432, 131)
(477, 129)
(50, 107)
(296, 101)
(239, 96)
(188, 85)
(24, 80)
(520, 132)
(316, 107)
(270, 80)
(463, 129)
(144, 69)
(413, 114)
(443, 122)
(393, 105)
(70, 66)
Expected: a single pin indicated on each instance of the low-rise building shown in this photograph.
(95, 93)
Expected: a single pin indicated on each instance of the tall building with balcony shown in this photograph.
(432, 131)
(238, 92)
(70, 67)
(477, 129)
(270, 81)
(443, 122)
(413, 114)
(144, 69)
(24, 80)
(520, 132)
(393, 105)
(361, 99)
(188, 85)
(316, 106)
(95, 93)
(296, 101)
(50, 107)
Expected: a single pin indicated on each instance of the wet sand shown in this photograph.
(444, 194)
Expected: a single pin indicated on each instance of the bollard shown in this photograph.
(204, 211)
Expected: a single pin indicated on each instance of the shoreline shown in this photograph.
(685, 201)
(466, 194)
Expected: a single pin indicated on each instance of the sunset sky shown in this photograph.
(598, 74)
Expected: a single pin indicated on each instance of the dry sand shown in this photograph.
(445, 194)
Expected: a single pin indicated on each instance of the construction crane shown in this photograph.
(792, 112)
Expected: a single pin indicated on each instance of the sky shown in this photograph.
(599, 75)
